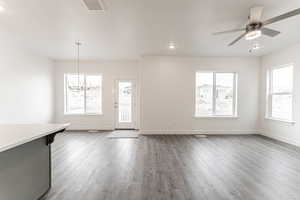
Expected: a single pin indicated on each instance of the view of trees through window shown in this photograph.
(215, 93)
(83, 94)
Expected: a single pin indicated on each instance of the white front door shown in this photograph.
(125, 106)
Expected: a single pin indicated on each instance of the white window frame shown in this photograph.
(84, 83)
(270, 94)
(234, 103)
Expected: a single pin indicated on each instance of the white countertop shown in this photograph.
(13, 135)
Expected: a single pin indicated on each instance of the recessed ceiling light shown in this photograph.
(2, 8)
(172, 46)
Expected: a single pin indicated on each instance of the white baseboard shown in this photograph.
(282, 139)
(196, 132)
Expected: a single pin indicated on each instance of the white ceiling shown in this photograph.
(129, 29)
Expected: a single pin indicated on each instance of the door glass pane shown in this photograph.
(125, 101)
(224, 93)
(282, 79)
(74, 94)
(204, 94)
(93, 94)
(282, 106)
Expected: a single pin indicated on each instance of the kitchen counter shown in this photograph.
(25, 160)
(12, 135)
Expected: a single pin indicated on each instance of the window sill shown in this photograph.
(96, 114)
(281, 120)
(216, 117)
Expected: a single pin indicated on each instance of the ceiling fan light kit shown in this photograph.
(255, 47)
(172, 46)
(253, 35)
(256, 27)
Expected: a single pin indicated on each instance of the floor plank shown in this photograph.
(91, 166)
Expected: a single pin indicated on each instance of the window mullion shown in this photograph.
(66, 93)
(270, 96)
(282, 93)
(234, 86)
(84, 91)
(270, 105)
(214, 94)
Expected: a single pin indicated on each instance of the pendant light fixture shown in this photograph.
(78, 44)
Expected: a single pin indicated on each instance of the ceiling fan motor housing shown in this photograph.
(253, 26)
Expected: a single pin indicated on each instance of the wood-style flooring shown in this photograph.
(90, 166)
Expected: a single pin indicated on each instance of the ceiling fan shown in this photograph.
(256, 27)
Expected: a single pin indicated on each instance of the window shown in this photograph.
(215, 94)
(83, 94)
(280, 93)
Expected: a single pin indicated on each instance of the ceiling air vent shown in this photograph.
(93, 5)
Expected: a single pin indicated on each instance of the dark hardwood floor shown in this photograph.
(92, 167)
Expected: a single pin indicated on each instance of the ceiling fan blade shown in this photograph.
(237, 39)
(282, 17)
(256, 13)
(229, 31)
(269, 32)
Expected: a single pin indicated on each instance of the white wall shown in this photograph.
(167, 95)
(111, 71)
(26, 84)
(280, 130)
(167, 87)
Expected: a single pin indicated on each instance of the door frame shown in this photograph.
(134, 104)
